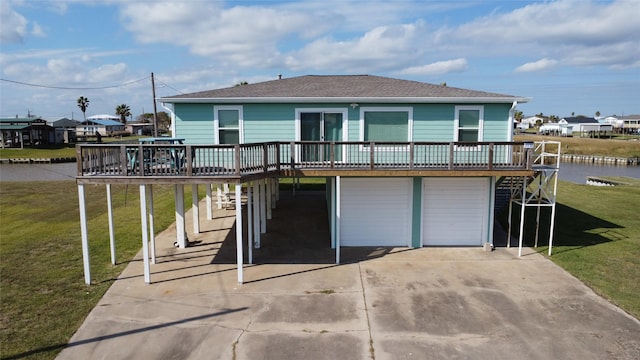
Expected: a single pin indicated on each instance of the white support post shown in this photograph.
(268, 194)
(274, 192)
(277, 189)
(510, 213)
(338, 210)
(263, 207)
(256, 214)
(195, 209)
(219, 196)
(333, 212)
(181, 237)
(209, 203)
(84, 235)
(523, 207)
(239, 252)
(112, 240)
(250, 223)
(152, 232)
(145, 232)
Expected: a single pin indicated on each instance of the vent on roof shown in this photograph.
(279, 76)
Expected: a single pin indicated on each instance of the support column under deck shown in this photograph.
(84, 235)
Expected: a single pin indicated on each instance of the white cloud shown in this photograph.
(542, 64)
(566, 27)
(436, 68)
(382, 48)
(13, 26)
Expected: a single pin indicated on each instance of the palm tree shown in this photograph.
(83, 104)
(123, 111)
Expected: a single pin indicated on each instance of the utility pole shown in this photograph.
(155, 110)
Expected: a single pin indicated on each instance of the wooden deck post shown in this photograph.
(209, 203)
(250, 223)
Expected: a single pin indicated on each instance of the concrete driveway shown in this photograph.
(382, 303)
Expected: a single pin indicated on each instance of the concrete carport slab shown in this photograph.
(395, 303)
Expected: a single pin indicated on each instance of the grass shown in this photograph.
(587, 146)
(43, 295)
(54, 151)
(597, 238)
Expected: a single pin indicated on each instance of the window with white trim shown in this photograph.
(468, 123)
(383, 124)
(228, 124)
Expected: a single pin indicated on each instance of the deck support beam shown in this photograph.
(250, 205)
(338, 212)
(145, 232)
(256, 214)
(112, 240)
(181, 236)
(239, 242)
(195, 208)
(152, 232)
(84, 234)
(209, 203)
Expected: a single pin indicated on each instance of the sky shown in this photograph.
(568, 56)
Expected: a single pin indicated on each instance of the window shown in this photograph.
(228, 124)
(386, 124)
(468, 123)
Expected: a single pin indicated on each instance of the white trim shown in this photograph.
(407, 109)
(216, 122)
(343, 111)
(456, 120)
(354, 99)
(298, 126)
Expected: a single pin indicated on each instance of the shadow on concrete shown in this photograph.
(297, 233)
(123, 333)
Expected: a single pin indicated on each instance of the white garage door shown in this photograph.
(455, 211)
(375, 212)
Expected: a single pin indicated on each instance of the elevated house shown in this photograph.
(29, 131)
(408, 164)
(629, 124)
(65, 130)
(586, 126)
(105, 125)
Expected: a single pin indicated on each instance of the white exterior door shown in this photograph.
(375, 212)
(455, 211)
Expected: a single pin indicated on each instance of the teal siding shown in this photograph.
(194, 123)
(269, 122)
(433, 122)
(276, 122)
(496, 122)
(416, 213)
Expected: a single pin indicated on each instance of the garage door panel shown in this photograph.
(375, 212)
(455, 211)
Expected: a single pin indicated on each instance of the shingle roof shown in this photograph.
(341, 87)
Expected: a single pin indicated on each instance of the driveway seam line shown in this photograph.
(372, 353)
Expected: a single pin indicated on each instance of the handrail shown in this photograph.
(179, 160)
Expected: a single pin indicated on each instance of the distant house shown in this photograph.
(65, 130)
(105, 125)
(19, 132)
(140, 128)
(587, 126)
(624, 124)
(530, 121)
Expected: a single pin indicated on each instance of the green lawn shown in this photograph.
(44, 298)
(597, 238)
(43, 295)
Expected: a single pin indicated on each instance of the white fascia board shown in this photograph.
(386, 100)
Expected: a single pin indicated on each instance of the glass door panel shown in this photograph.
(333, 132)
(310, 130)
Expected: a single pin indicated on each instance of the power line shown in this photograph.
(74, 88)
(167, 85)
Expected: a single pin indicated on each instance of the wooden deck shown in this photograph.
(198, 164)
